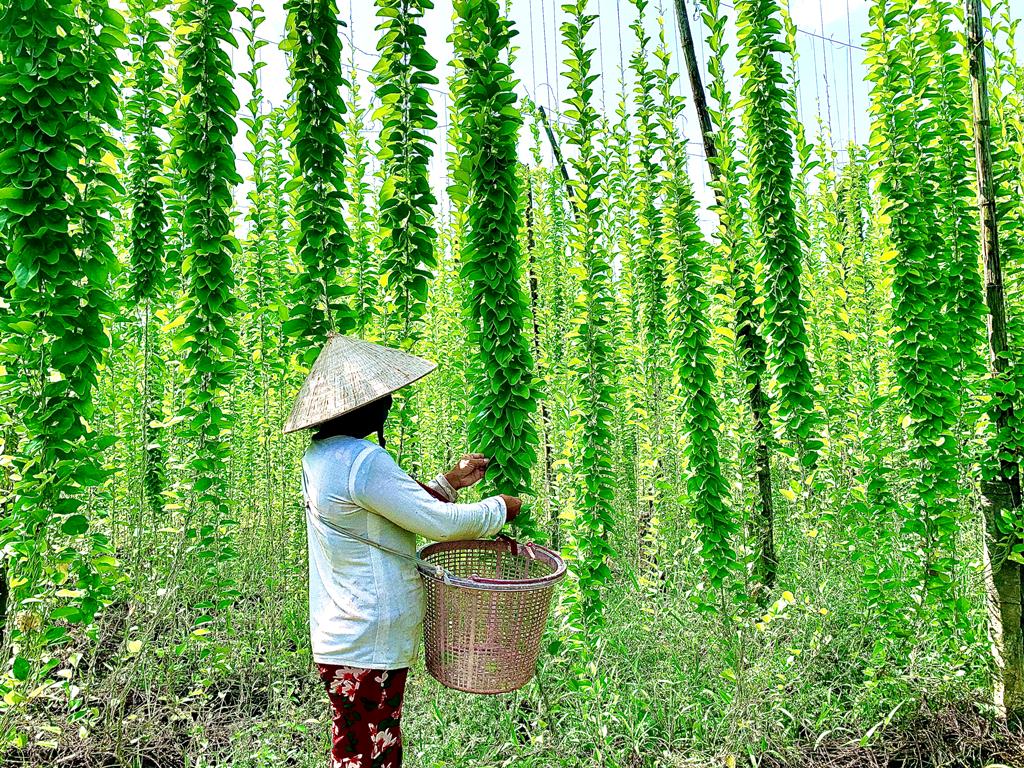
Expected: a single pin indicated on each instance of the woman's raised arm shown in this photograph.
(381, 486)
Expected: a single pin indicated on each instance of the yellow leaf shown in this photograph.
(11, 698)
(200, 632)
(847, 335)
(134, 647)
(175, 323)
(70, 593)
(788, 494)
(788, 597)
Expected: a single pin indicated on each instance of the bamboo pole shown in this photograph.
(1001, 490)
(554, 143)
(697, 88)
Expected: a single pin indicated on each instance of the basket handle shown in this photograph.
(513, 545)
(516, 548)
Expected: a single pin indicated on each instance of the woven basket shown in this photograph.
(487, 604)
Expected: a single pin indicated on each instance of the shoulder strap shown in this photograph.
(434, 570)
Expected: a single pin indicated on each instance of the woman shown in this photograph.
(362, 517)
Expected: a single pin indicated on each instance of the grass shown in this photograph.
(661, 691)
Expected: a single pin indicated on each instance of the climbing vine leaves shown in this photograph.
(590, 546)
(206, 338)
(744, 395)
(318, 306)
(767, 120)
(56, 211)
(503, 400)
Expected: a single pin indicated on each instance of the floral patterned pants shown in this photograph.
(367, 708)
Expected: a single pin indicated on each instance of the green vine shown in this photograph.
(206, 338)
(925, 345)
(502, 397)
(589, 548)
(405, 213)
(324, 246)
(694, 377)
(144, 114)
(58, 110)
(648, 295)
(768, 122)
(736, 250)
(405, 200)
(361, 222)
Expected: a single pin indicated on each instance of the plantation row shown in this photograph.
(810, 416)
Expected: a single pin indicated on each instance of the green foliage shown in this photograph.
(735, 251)
(206, 339)
(874, 602)
(401, 75)
(259, 286)
(145, 114)
(405, 200)
(768, 121)
(693, 365)
(949, 91)
(318, 303)
(589, 546)
(909, 160)
(265, 249)
(58, 107)
(365, 269)
(647, 264)
(646, 292)
(503, 401)
(733, 238)
(637, 483)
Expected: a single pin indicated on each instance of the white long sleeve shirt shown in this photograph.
(365, 605)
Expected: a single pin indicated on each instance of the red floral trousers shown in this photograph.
(366, 705)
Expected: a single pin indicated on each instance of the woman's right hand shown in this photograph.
(513, 505)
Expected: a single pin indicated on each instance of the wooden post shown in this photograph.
(1001, 489)
(746, 330)
(557, 150)
(697, 88)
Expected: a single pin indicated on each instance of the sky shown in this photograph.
(830, 66)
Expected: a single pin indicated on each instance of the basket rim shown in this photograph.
(492, 585)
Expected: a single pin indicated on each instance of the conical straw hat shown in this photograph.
(348, 374)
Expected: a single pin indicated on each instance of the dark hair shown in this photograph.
(361, 422)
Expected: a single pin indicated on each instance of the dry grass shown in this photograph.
(951, 737)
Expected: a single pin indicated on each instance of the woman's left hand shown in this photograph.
(469, 470)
